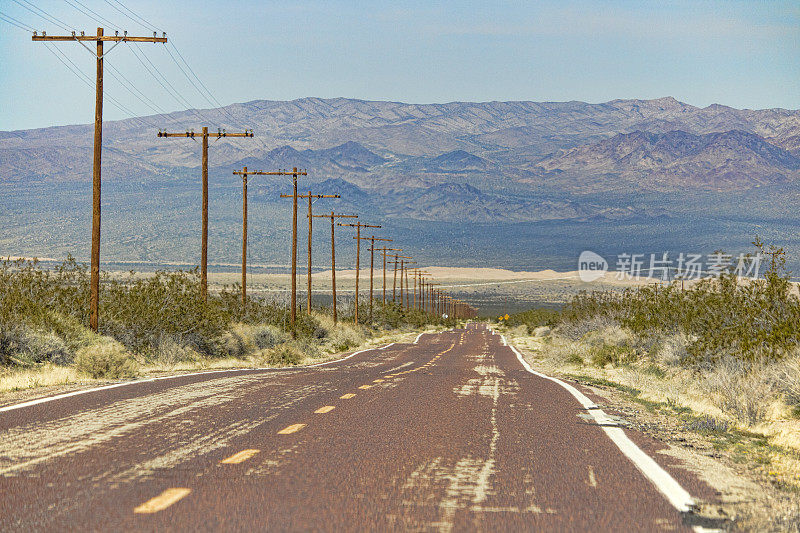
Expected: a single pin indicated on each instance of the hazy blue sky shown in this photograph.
(743, 54)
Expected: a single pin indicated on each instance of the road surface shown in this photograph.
(449, 433)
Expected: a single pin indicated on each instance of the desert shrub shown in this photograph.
(307, 347)
(284, 355)
(533, 318)
(719, 317)
(170, 350)
(740, 388)
(606, 354)
(268, 336)
(233, 344)
(344, 337)
(106, 359)
(23, 345)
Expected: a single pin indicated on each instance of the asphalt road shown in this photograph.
(450, 433)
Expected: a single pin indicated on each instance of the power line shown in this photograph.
(94, 14)
(141, 21)
(43, 14)
(87, 80)
(14, 22)
(210, 94)
(188, 78)
(172, 92)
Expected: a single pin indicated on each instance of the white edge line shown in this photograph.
(418, 336)
(665, 483)
(149, 380)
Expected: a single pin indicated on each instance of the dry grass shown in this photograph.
(47, 375)
(174, 358)
(759, 396)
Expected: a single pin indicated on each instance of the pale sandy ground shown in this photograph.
(456, 277)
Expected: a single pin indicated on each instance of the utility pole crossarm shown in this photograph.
(112, 38)
(270, 173)
(220, 134)
(357, 225)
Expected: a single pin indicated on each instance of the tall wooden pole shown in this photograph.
(310, 219)
(294, 250)
(310, 215)
(416, 275)
(394, 281)
(408, 296)
(244, 240)
(358, 266)
(204, 201)
(333, 268)
(372, 240)
(94, 269)
(402, 267)
(332, 216)
(358, 227)
(371, 261)
(384, 277)
(94, 313)
(204, 245)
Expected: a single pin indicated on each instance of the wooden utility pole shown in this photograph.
(310, 219)
(204, 237)
(333, 255)
(402, 266)
(244, 173)
(99, 39)
(372, 240)
(293, 173)
(358, 226)
(384, 249)
(431, 297)
(404, 275)
(418, 273)
(397, 258)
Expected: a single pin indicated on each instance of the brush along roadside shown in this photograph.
(155, 324)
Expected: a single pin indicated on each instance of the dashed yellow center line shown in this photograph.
(239, 457)
(347, 396)
(379, 380)
(325, 409)
(365, 387)
(291, 429)
(162, 501)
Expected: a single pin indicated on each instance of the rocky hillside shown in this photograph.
(457, 161)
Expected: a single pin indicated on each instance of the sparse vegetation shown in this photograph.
(159, 321)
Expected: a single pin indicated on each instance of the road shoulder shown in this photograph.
(745, 495)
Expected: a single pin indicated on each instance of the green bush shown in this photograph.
(609, 354)
(284, 355)
(752, 320)
(105, 360)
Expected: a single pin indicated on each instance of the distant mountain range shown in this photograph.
(628, 164)
(515, 184)
(528, 147)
